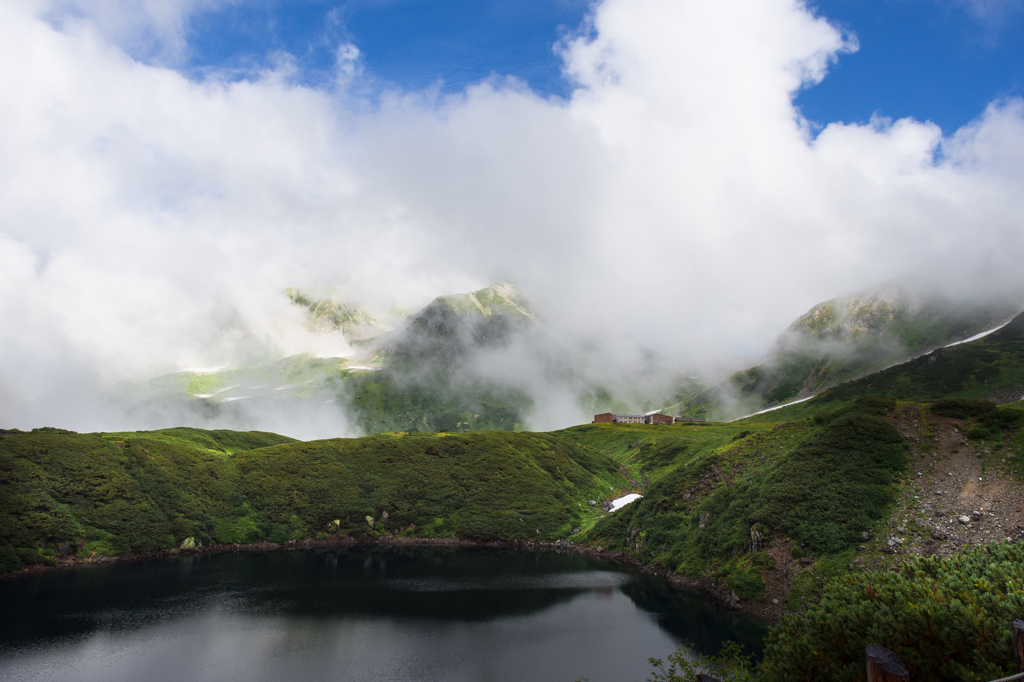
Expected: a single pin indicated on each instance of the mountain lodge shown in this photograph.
(654, 418)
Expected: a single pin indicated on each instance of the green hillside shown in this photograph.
(991, 368)
(720, 494)
(420, 377)
(723, 504)
(428, 382)
(501, 298)
(65, 493)
(843, 339)
(805, 511)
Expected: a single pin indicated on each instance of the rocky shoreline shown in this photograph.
(755, 610)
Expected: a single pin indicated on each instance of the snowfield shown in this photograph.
(624, 500)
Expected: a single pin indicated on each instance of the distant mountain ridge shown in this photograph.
(499, 298)
(896, 311)
(420, 375)
(845, 338)
(990, 368)
(484, 359)
(331, 315)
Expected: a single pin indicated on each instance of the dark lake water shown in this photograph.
(354, 613)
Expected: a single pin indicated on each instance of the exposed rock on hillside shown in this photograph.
(961, 491)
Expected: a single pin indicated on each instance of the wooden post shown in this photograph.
(884, 665)
(1018, 644)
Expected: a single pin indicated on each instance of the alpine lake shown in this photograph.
(391, 613)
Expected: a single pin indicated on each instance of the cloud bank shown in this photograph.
(149, 222)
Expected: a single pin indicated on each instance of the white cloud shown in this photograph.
(153, 30)
(991, 12)
(148, 222)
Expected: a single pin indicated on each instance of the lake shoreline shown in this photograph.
(767, 613)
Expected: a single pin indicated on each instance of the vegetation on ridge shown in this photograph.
(710, 515)
(843, 339)
(83, 494)
(945, 618)
(990, 368)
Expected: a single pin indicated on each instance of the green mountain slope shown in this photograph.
(430, 380)
(709, 489)
(143, 491)
(424, 375)
(501, 298)
(63, 493)
(719, 495)
(846, 338)
(990, 368)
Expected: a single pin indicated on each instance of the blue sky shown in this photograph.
(930, 59)
(937, 60)
(412, 44)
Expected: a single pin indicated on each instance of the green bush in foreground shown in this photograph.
(947, 619)
(730, 665)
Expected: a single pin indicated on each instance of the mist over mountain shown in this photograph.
(488, 360)
(674, 211)
(849, 337)
(479, 360)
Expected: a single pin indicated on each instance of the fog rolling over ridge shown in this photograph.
(852, 336)
(482, 360)
(676, 200)
(488, 360)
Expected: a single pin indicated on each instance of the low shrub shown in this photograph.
(945, 618)
(731, 664)
(959, 408)
(748, 585)
(147, 491)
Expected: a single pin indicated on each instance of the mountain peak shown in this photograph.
(906, 314)
(500, 297)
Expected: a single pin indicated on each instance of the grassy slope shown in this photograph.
(133, 492)
(991, 367)
(218, 441)
(143, 491)
(714, 489)
(880, 336)
(385, 401)
(840, 340)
